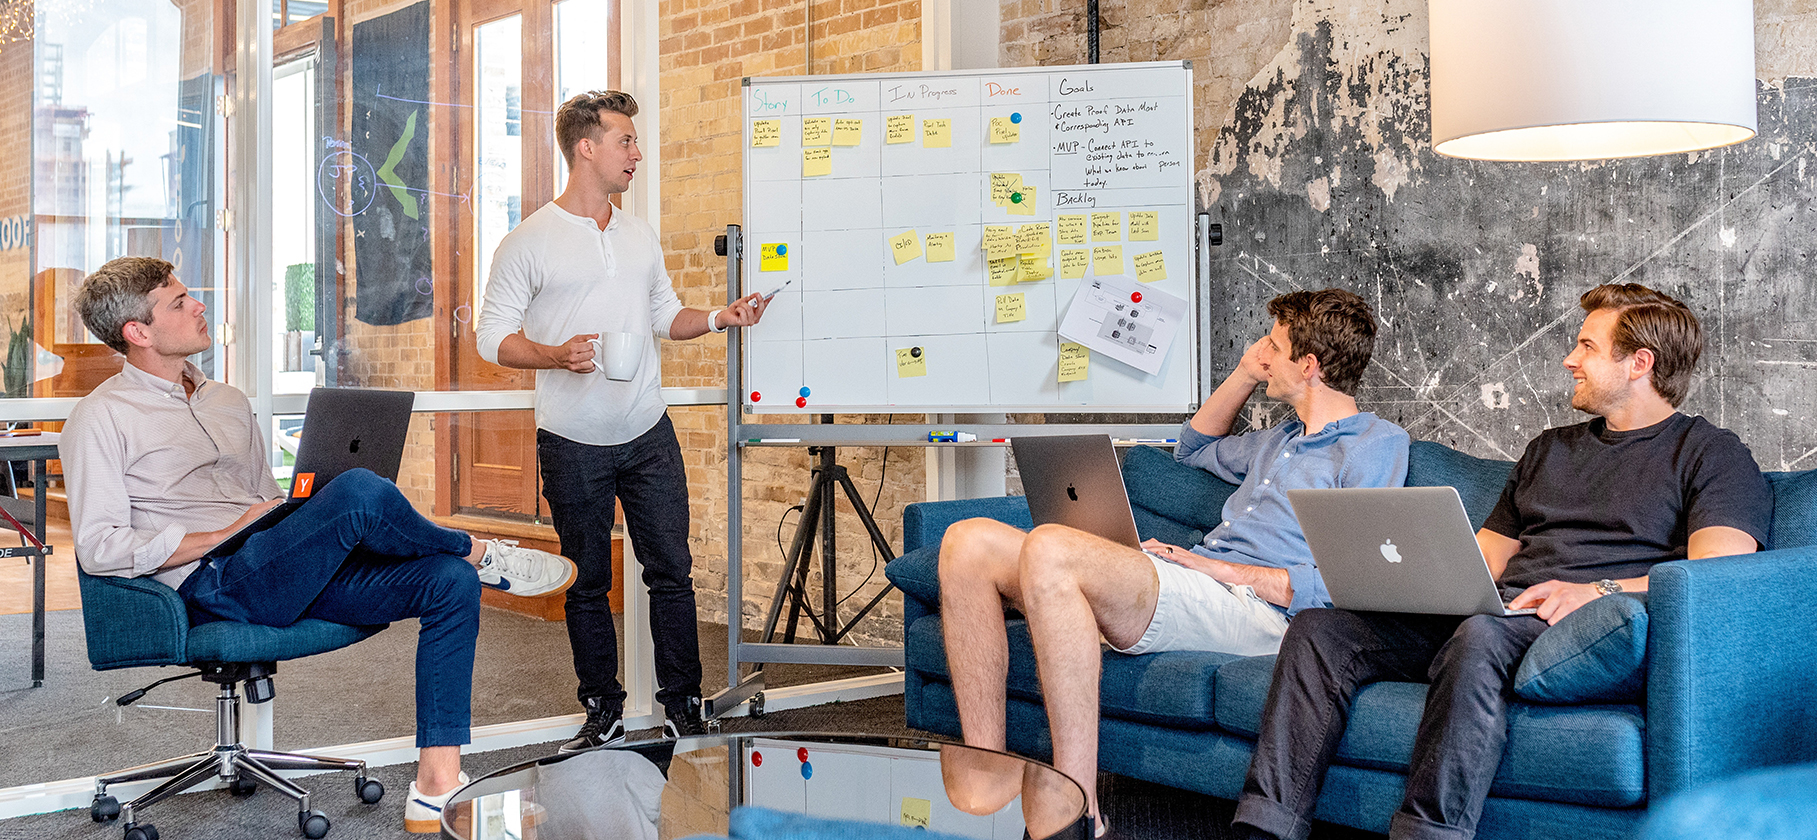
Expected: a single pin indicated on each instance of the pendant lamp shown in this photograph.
(1551, 80)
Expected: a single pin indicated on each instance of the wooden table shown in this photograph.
(38, 449)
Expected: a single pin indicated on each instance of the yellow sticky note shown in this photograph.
(899, 129)
(1006, 271)
(766, 133)
(1072, 229)
(1106, 227)
(1003, 185)
(816, 131)
(1033, 268)
(911, 361)
(1107, 259)
(1004, 131)
(1022, 201)
(1144, 226)
(936, 134)
(847, 131)
(1150, 267)
(1075, 362)
(916, 813)
(1011, 308)
(999, 242)
(1073, 262)
(940, 247)
(775, 257)
(905, 246)
(816, 162)
(1033, 238)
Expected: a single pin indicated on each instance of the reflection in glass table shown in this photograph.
(658, 790)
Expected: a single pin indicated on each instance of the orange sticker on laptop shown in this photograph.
(303, 484)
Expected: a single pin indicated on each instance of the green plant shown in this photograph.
(16, 371)
(299, 297)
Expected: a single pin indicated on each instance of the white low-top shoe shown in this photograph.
(509, 567)
(423, 814)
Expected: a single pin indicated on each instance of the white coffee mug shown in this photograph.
(617, 354)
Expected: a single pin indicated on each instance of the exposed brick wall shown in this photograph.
(707, 47)
(16, 70)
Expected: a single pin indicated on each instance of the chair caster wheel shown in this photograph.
(313, 823)
(242, 787)
(369, 790)
(757, 705)
(141, 831)
(104, 809)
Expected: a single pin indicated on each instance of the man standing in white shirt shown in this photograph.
(574, 270)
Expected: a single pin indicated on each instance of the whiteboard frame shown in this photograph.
(1189, 345)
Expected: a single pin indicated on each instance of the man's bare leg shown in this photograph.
(1076, 586)
(979, 562)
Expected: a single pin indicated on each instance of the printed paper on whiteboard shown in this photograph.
(1124, 320)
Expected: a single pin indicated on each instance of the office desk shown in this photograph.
(38, 449)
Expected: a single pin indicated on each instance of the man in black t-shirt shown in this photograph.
(1587, 512)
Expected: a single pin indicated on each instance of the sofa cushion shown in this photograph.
(1169, 689)
(1479, 481)
(1588, 755)
(1596, 654)
(1172, 502)
(917, 574)
(1794, 514)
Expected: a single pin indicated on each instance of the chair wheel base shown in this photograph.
(104, 809)
(314, 825)
(243, 787)
(141, 831)
(370, 791)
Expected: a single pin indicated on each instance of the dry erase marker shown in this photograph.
(772, 293)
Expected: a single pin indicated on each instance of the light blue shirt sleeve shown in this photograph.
(1381, 461)
(1226, 456)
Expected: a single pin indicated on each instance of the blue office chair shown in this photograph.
(135, 622)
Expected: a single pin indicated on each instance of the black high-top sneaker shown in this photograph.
(604, 726)
(683, 718)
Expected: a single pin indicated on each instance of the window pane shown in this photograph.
(292, 327)
(584, 54)
(499, 141)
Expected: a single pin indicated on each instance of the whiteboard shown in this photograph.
(850, 188)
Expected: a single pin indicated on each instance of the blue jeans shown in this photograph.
(581, 481)
(359, 554)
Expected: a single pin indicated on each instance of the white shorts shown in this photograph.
(1193, 611)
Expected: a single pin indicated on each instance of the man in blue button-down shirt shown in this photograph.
(1234, 593)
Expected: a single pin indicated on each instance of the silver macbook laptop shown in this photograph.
(1074, 480)
(1398, 549)
(343, 428)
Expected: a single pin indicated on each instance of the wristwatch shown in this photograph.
(1607, 587)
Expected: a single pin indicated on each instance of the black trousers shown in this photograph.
(581, 482)
(1328, 655)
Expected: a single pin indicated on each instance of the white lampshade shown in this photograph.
(1585, 79)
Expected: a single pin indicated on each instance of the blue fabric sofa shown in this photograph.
(1731, 674)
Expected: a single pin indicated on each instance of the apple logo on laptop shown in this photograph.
(354, 446)
(1390, 553)
(1071, 493)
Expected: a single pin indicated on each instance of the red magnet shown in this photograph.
(1135, 296)
(802, 753)
(756, 397)
(756, 759)
(801, 402)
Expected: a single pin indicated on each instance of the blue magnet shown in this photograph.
(1015, 118)
(782, 249)
(805, 392)
(807, 770)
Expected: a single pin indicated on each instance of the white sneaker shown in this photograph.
(423, 814)
(509, 567)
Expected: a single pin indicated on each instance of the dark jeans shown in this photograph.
(581, 482)
(359, 554)
(1328, 655)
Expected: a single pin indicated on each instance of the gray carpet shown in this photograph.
(70, 727)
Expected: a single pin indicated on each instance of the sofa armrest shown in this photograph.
(923, 523)
(1732, 666)
(132, 622)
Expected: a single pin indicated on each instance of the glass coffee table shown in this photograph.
(658, 790)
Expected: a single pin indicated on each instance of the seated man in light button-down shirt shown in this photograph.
(1234, 593)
